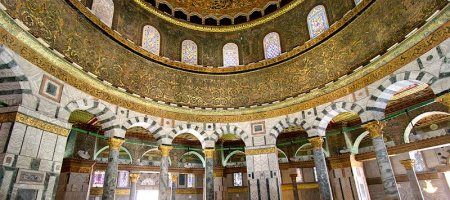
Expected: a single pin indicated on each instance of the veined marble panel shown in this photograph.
(23, 162)
(46, 165)
(4, 131)
(7, 178)
(60, 148)
(16, 138)
(50, 186)
(47, 146)
(31, 142)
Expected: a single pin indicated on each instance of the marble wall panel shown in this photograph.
(31, 142)
(5, 184)
(60, 148)
(48, 107)
(16, 138)
(4, 133)
(47, 146)
(46, 165)
(23, 162)
(50, 187)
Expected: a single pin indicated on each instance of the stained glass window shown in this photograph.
(419, 166)
(151, 39)
(357, 2)
(190, 180)
(99, 178)
(237, 179)
(230, 55)
(104, 10)
(189, 52)
(122, 180)
(317, 21)
(272, 46)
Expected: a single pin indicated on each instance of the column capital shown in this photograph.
(444, 100)
(165, 149)
(209, 153)
(408, 163)
(316, 142)
(375, 128)
(115, 143)
(134, 177)
(174, 178)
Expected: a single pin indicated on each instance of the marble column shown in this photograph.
(384, 164)
(109, 185)
(321, 168)
(164, 193)
(294, 186)
(413, 181)
(174, 186)
(133, 178)
(209, 174)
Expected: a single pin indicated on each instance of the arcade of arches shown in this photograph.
(230, 99)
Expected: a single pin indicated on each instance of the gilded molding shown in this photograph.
(316, 142)
(7, 117)
(99, 191)
(269, 150)
(429, 36)
(300, 186)
(408, 163)
(237, 189)
(165, 150)
(115, 143)
(189, 191)
(134, 177)
(37, 123)
(375, 128)
(209, 153)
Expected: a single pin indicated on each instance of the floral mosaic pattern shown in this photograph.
(151, 39)
(104, 10)
(317, 21)
(272, 46)
(230, 55)
(189, 52)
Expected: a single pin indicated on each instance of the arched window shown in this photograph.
(317, 21)
(230, 55)
(151, 39)
(189, 52)
(104, 10)
(272, 46)
(357, 2)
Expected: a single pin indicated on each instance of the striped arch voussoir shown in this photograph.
(188, 128)
(230, 129)
(321, 122)
(153, 127)
(286, 123)
(104, 115)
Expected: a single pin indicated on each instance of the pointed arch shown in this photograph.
(187, 128)
(230, 155)
(152, 126)
(189, 52)
(196, 154)
(286, 123)
(230, 53)
(104, 115)
(272, 45)
(151, 39)
(104, 10)
(107, 147)
(231, 129)
(317, 21)
(379, 99)
(15, 89)
(321, 122)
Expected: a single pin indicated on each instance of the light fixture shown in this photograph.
(429, 187)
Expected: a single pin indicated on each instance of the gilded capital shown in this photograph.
(316, 142)
(115, 143)
(408, 163)
(165, 149)
(444, 100)
(209, 153)
(134, 177)
(174, 178)
(375, 128)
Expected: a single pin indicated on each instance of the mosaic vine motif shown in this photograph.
(317, 21)
(189, 52)
(230, 55)
(272, 46)
(104, 10)
(151, 39)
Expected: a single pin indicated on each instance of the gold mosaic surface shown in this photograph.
(109, 96)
